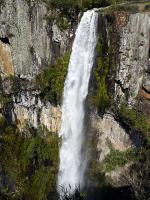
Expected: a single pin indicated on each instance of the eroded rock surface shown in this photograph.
(33, 38)
(28, 108)
(133, 57)
(109, 131)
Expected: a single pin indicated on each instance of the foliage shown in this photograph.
(96, 175)
(2, 123)
(51, 80)
(140, 173)
(120, 158)
(101, 99)
(72, 4)
(5, 100)
(64, 12)
(31, 164)
(135, 119)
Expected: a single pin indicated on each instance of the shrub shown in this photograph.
(136, 120)
(65, 11)
(118, 158)
(30, 163)
(51, 80)
(5, 100)
(95, 174)
(2, 123)
(101, 97)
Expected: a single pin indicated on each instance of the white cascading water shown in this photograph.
(72, 159)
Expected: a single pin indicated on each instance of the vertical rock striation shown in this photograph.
(133, 57)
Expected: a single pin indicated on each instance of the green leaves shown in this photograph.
(51, 80)
(101, 98)
(118, 158)
(71, 4)
(30, 163)
(135, 120)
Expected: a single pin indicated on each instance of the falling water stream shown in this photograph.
(72, 156)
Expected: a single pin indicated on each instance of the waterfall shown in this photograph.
(72, 159)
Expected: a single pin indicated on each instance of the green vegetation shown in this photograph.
(66, 11)
(51, 80)
(95, 174)
(65, 5)
(118, 158)
(30, 164)
(101, 99)
(103, 71)
(5, 100)
(136, 120)
(140, 168)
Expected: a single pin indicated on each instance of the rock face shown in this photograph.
(131, 81)
(6, 64)
(33, 38)
(133, 57)
(109, 131)
(28, 108)
(117, 178)
(26, 30)
(29, 42)
(132, 86)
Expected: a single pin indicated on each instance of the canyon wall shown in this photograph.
(30, 41)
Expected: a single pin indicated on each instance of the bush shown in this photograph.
(136, 120)
(51, 80)
(101, 97)
(118, 158)
(5, 100)
(31, 164)
(65, 5)
(65, 11)
(2, 123)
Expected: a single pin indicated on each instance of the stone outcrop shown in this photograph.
(34, 39)
(108, 131)
(26, 29)
(6, 64)
(132, 86)
(117, 178)
(29, 42)
(133, 57)
(29, 109)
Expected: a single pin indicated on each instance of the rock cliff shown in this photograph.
(30, 41)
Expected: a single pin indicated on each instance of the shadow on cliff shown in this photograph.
(110, 193)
